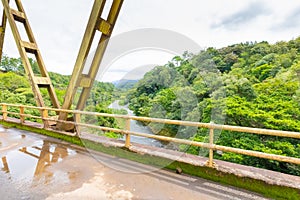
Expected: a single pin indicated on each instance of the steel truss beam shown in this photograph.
(85, 81)
(37, 81)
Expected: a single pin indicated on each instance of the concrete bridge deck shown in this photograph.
(39, 167)
(266, 182)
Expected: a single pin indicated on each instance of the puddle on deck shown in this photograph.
(35, 167)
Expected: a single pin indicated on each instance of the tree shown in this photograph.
(12, 65)
(252, 84)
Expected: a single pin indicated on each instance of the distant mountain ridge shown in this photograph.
(124, 83)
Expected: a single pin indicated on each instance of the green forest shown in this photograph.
(15, 88)
(253, 84)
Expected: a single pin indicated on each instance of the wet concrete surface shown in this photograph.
(38, 167)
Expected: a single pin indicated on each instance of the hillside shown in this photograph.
(124, 84)
(15, 88)
(248, 84)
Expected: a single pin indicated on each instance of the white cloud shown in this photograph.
(59, 25)
(134, 65)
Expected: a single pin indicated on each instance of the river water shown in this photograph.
(137, 127)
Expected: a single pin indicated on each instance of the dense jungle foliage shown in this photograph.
(15, 88)
(248, 84)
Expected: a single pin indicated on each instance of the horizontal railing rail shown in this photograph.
(211, 126)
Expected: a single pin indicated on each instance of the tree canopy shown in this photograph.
(15, 88)
(253, 84)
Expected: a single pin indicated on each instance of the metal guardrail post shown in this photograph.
(4, 112)
(77, 120)
(44, 117)
(22, 118)
(211, 151)
(127, 139)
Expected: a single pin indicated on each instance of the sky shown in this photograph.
(59, 25)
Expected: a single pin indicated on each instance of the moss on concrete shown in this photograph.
(271, 191)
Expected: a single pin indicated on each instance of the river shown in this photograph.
(137, 127)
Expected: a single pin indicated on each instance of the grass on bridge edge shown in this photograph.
(261, 187)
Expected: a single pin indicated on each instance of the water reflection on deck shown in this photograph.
(38, 167)
(30, 160)
(29, 165)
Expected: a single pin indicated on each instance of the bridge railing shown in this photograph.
(211, 126)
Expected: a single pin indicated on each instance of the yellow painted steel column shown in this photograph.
(22, 118)
(77, 120)
(211, 151)
(44, 117)
(127, 136)
(85, 81)
(82, 55)
(106, 28)
(4, 112)
(2, 33)
(18, 15)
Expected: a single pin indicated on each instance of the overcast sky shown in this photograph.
(59, 25)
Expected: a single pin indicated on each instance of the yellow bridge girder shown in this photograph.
(78, 79)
